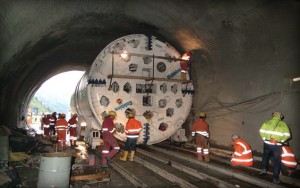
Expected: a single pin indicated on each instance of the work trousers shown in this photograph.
(130, 143)
(52, 129)
(276, 151)
(202, 147)
(109, 143)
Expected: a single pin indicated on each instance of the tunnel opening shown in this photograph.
(54, 95)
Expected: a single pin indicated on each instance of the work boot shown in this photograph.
(200, 157)
(263, 172)
(124, 157)
(131, 155)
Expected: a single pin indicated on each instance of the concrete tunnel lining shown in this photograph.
(234, 45)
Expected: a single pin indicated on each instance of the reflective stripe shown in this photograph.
(288, 162)
(204, 133)
(73, 138)
(274, 133)
(242, 160)
(237, 153)
(267, 142)
(73, 126)
(286, 134)
(116, 147)
(262, 130)
(132, 136)
(134, 130)
(245, 148)
(205, 151)
(286, 153)
(105, 151)
(104, 129)
(112, 130)
(199, 150)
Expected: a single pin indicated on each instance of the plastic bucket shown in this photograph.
(54, 170)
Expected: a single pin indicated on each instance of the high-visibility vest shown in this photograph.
(200, 127)
(133, 128)
(288, 157)
(242, 153)
(274, 129)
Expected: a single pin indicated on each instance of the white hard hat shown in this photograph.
(234, 137)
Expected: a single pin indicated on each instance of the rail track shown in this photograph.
(170, 166)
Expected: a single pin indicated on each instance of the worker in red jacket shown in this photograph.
(73, 130)
(61, 128)
(288, 160)
(184, 65)
(109, 140)
(200, 129)
(46, 126)
(242, 152)
(132, 130)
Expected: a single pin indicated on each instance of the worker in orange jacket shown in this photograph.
(61, 128)
(73, 130)
(288, 160)
(200, 129)
(242, 152)
(132, 130)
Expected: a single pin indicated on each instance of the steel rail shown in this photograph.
(187, 170)
(243, 177)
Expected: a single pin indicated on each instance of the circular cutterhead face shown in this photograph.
(141, 73)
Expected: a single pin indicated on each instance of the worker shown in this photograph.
(200, 129)
(46, 126)
(42, 120)
(109, 140)
(288, 160)
(22, 124)
(53, 120)
(242, 152)
(184, 65)
(274, 133)
(132, 129)
(61, 127)
(73, 130)
(29, 119)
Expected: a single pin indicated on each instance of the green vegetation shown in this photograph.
(35, 103)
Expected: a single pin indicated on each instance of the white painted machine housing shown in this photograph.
(162, 100)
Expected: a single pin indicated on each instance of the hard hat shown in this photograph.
(202, 114)
(277, 114)
(234, 137)
(129, 113)
(112, 113)
(62, 115)
(186, 56)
